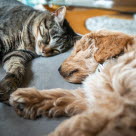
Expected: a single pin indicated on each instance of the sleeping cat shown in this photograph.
(26, 33)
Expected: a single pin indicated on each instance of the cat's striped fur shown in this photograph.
(26, 33)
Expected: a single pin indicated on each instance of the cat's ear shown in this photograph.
(60, 14)
(77, 37)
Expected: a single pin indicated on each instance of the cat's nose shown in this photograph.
(47, 50)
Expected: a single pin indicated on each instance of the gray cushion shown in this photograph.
(42, 73)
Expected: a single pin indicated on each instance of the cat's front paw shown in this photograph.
(4, 95)
(26, 101)
(6, 88)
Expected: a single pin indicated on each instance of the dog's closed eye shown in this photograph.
(72, 72)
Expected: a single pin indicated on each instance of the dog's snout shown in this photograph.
(59, 69)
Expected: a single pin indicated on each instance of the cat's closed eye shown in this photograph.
(65, 37)
(45, 42)
(53, 31)
(46, 39)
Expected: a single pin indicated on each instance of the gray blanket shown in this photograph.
(42, 73)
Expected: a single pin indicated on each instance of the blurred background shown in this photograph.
(79, 13)
(83, 3)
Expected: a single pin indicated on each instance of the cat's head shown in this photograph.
(54, 34)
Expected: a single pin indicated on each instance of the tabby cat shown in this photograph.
(26, 33)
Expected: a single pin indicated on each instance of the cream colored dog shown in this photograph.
(106, 104)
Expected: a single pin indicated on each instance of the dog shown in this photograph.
(105, 62)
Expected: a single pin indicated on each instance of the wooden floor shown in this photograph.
(78, 16)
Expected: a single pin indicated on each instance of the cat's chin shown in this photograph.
(46, 55)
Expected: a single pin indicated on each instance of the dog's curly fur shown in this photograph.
(93, 49)
(106, 105)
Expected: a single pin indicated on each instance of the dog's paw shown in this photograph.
(30, 103)
(26, 102)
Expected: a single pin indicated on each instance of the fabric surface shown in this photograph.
(41, 73)
(104, 22)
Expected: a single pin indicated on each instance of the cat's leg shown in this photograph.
(14, 65)
(31, 103)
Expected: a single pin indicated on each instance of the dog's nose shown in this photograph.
(59, 69)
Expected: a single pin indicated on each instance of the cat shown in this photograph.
(26, 33)
(106, 103)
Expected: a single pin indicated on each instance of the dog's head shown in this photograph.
(76, 67)
(92, 49)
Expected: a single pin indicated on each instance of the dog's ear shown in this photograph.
(110, 44)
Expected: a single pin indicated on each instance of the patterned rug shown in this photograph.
(104, 22)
